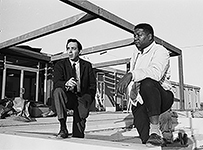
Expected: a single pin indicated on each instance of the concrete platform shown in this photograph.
(105, 130)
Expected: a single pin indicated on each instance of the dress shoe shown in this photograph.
(182, 139)
(155, 140)
(50, 113)
(62, 134)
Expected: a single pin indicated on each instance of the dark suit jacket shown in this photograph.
(62, 73)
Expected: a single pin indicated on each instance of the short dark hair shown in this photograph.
(146, 27)
(75, 40)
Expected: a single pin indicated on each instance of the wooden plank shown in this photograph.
(100, 48)
(108, 46)
(110, 69)
(100, 13)
(105, 47)
(176, 51)
(66, 23)
(111, 63)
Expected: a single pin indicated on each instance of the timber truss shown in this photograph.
(91, 12)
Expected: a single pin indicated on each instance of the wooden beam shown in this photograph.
(108, 46)
(111, 63)
(66, 23)
(100, 48)
(176, 51)
(110, 69)
(89, 7)
(181, 82)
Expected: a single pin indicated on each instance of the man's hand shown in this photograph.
(124, 82)
(70, 84)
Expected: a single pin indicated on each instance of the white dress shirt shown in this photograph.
(152, 63)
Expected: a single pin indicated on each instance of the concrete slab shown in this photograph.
(15, 142)
(104, 130)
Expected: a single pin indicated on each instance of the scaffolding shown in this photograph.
(91, 12)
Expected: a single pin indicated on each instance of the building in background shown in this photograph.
(27, 73)
(23, 73)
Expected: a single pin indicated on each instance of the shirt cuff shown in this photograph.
(133, 76)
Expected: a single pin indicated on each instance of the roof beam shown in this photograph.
(101, 13)
(111, 63)
(175, 51)
(89, 7)
(66, 23)
(109, 46)
(100, 48)
(110, 69)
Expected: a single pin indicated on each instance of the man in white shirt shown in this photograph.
(148, 84)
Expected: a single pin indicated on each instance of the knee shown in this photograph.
(146, 84)
(57, 91)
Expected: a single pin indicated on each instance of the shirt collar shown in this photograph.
(72, 62)
(148, 47)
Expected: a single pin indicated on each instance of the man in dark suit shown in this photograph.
(74, 88)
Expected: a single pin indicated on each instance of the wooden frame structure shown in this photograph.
(92, 12)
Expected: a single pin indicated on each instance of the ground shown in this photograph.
(109, 130)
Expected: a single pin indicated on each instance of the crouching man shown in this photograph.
(148, 84)
(74, 88)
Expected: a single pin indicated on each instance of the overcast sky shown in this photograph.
(178, 22)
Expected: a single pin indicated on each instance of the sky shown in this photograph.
(179, 22)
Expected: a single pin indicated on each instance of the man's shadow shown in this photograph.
(125, 134)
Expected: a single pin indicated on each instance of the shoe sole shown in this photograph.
(59, 137)
(149, 143)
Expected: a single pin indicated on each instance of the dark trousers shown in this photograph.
(67, 100)
(156, 101)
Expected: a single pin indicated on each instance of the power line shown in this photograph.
(194, 46)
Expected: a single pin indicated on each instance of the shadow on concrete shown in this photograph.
(128, 120)
(114, 136)
(37, 133)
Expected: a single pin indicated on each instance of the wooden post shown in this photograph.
(181, 82)
(4, 80)
(37, 84)
(115, 87)
(45, 83)
(22, 90)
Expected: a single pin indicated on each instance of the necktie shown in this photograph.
(74, 71)
(74, 76)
